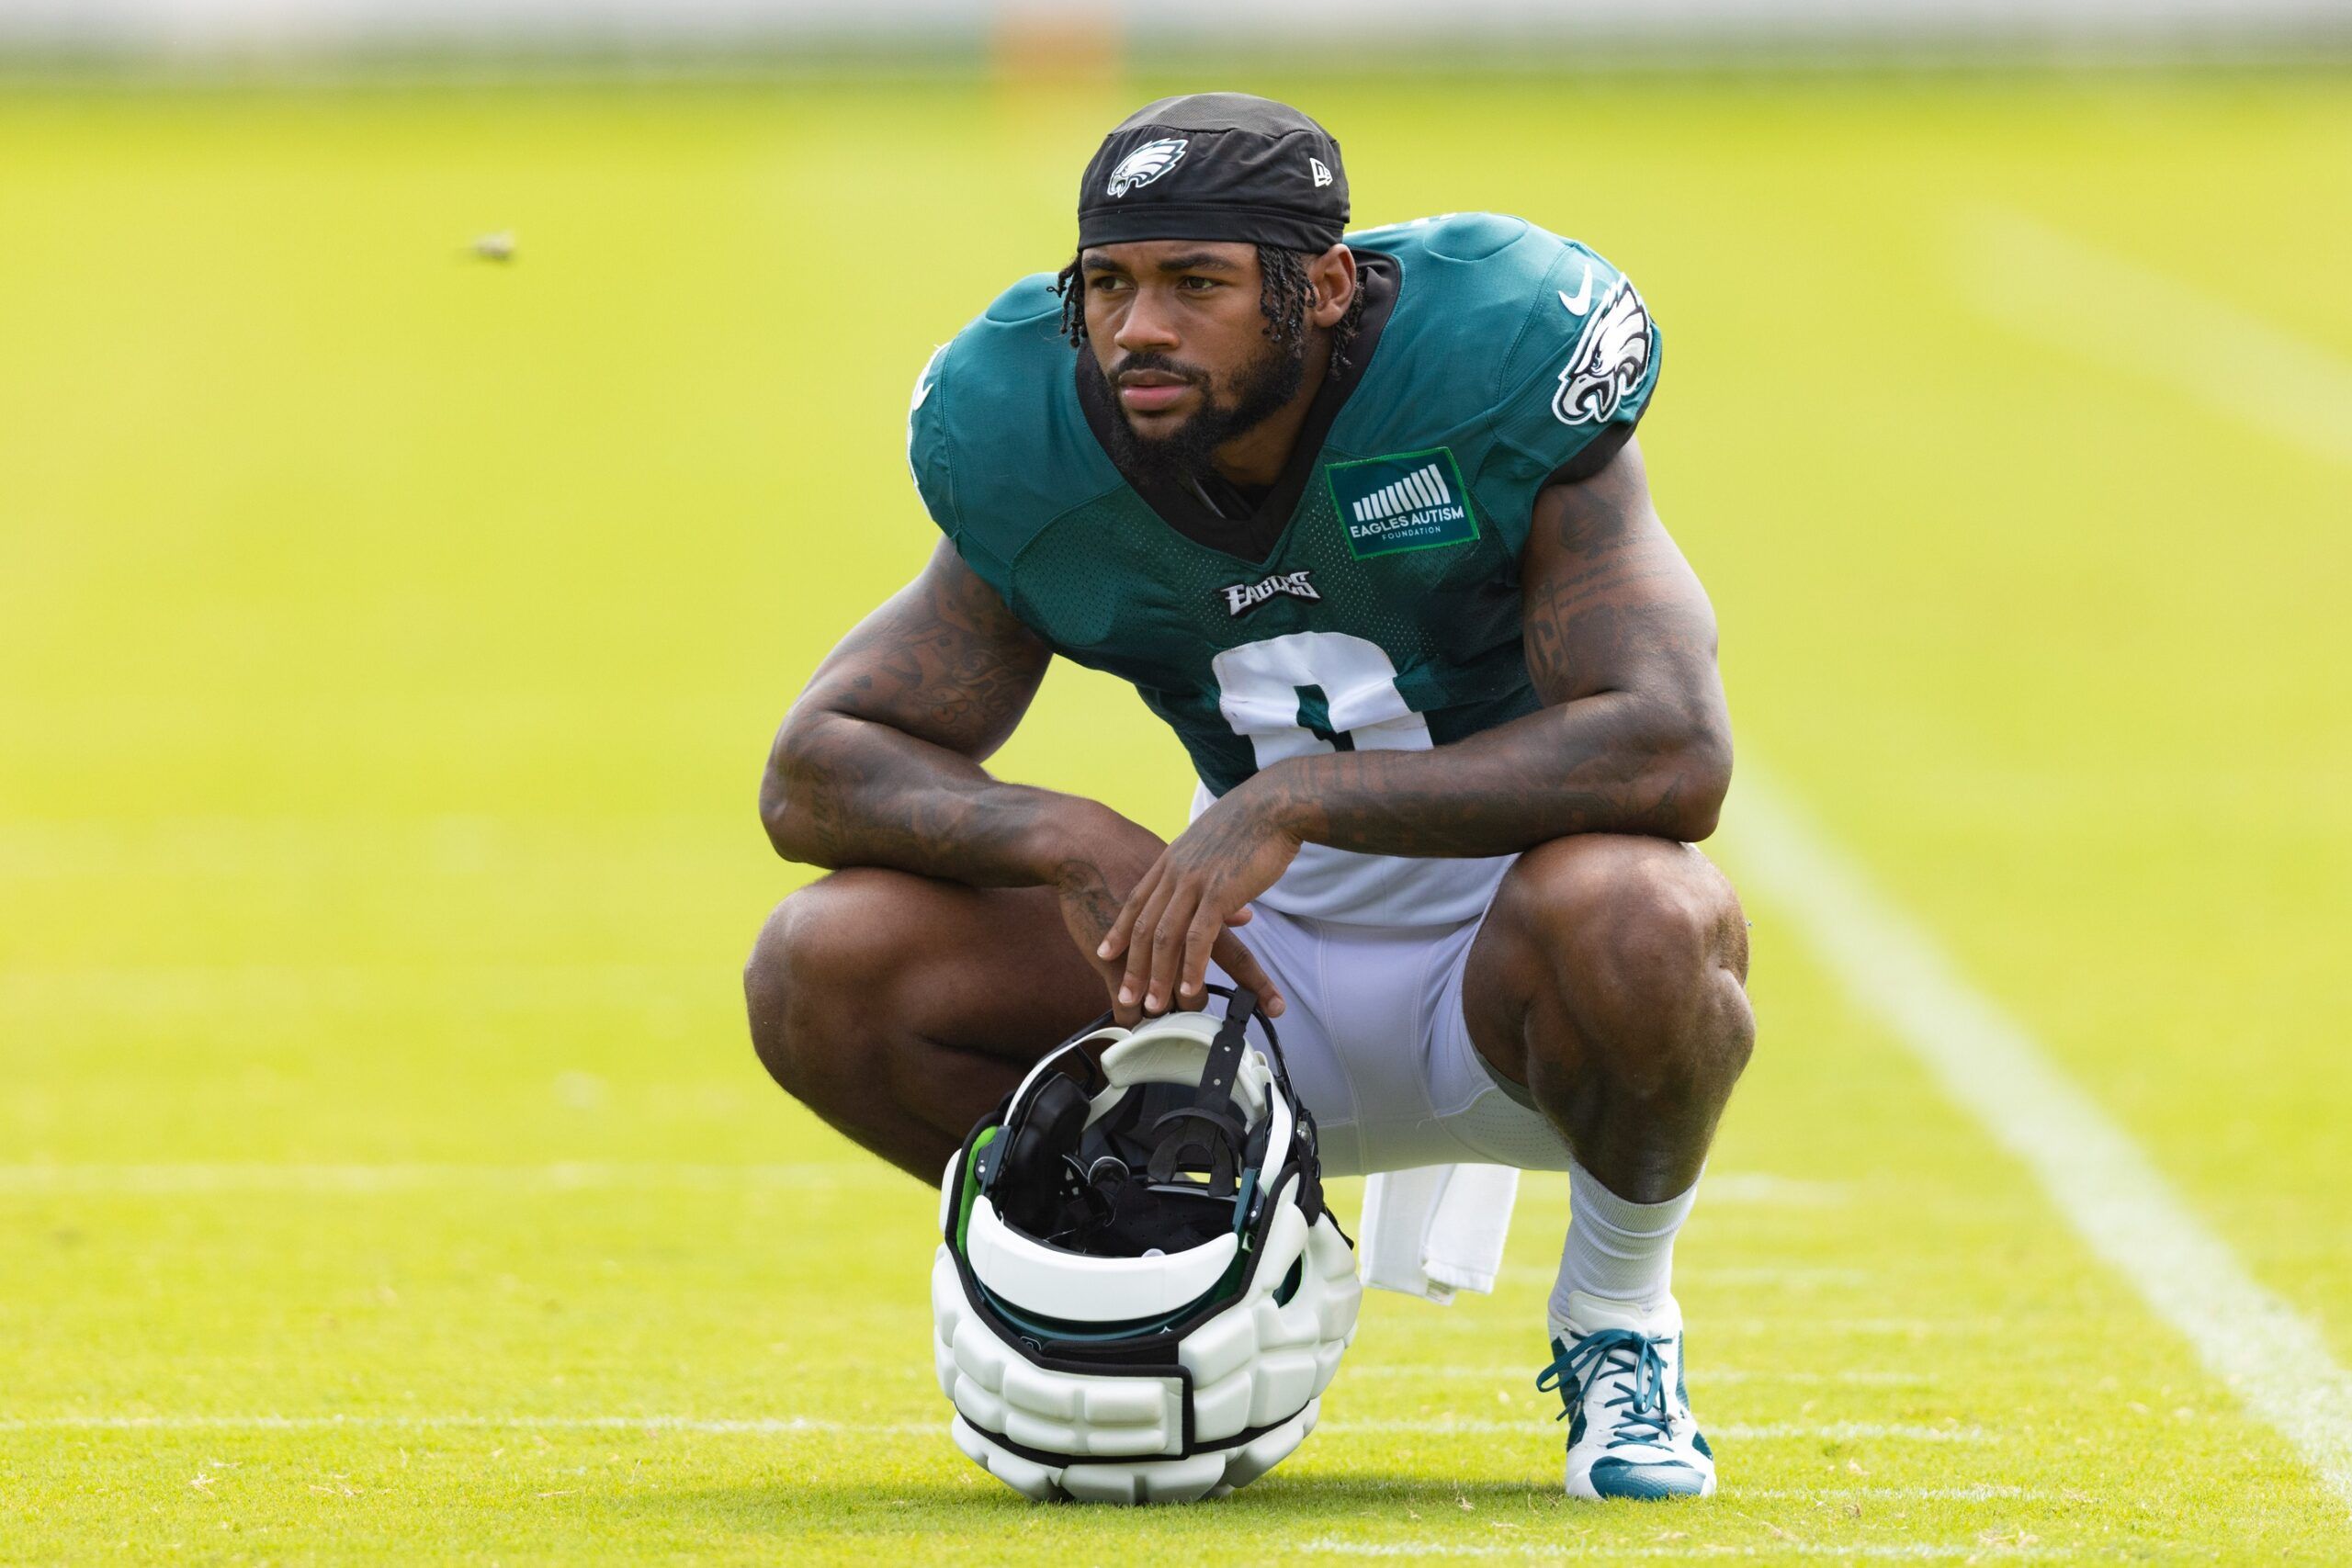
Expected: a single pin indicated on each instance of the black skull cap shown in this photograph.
(1215, 166)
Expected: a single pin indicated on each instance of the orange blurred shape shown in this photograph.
(1054, 41)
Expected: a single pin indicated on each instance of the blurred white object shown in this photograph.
(1437, 1230)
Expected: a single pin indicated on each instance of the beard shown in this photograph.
(1188, 452)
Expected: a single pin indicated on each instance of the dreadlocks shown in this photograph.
(1285, 293)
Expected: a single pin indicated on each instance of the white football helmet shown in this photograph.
(1139, 1296)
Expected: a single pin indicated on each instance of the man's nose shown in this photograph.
(1149, 325)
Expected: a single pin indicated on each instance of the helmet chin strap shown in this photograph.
(1206, 1134)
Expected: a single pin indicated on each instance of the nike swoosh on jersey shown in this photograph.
(1583, 301)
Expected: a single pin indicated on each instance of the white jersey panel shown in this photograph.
(1344, 887)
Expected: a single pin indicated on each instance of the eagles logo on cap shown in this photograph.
(1146, 163)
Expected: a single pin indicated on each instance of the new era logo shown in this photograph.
(1322, 175)
(1421, 490)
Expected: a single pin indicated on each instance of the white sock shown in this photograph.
(1616, 1250)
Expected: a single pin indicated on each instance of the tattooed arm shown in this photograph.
(1632, 738)
(878, 763)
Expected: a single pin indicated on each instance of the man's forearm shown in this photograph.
(1608, 763)
(844, 792)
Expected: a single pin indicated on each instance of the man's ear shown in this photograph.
(1334, 276)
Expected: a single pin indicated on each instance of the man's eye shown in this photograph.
(1106, 284)
(1198, 284)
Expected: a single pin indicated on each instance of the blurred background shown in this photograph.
(828, 34)
(438, 438)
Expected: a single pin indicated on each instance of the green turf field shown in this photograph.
(389, 641)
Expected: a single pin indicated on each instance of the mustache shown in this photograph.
(1147, 360)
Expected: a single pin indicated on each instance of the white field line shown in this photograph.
(1791, 1277)
(759, 1426)
(1764, 1432)
(1788, 1191)
(1892, 1494)
(1550, 1551)
(165, 990)
(802, 1426)
(2275, 1361)
(199, 1177)
(1709, 1375)
(2026, 275)
(1779, 1325)
(178, 1180)
(1685, 1279)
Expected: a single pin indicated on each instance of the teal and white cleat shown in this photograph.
(1631, 1432)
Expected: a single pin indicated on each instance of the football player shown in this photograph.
(1361, 517)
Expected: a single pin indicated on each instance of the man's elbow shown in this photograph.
(777, 815)
(785, 799)
(1696, 775)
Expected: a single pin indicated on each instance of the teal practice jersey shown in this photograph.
(1385, 614)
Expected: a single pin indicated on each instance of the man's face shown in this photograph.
(1176, 328)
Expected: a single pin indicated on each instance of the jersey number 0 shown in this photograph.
(1309, 691)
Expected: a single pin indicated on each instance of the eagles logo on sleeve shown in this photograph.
(1146, 163)
(1609, 361)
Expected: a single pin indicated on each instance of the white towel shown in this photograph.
(1438, 1229)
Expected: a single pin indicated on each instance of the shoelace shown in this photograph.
(1647, 1417)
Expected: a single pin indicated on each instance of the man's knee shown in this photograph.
(1646, 943)
(1632, 911)
(824, 960)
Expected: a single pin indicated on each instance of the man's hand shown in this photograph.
(1108, 855)
(1173, 922)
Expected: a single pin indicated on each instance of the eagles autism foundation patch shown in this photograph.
(1413, 500)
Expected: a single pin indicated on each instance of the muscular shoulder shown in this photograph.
(995, 437)
(1525, 351)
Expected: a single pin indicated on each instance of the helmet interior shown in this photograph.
(1149, 1173)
